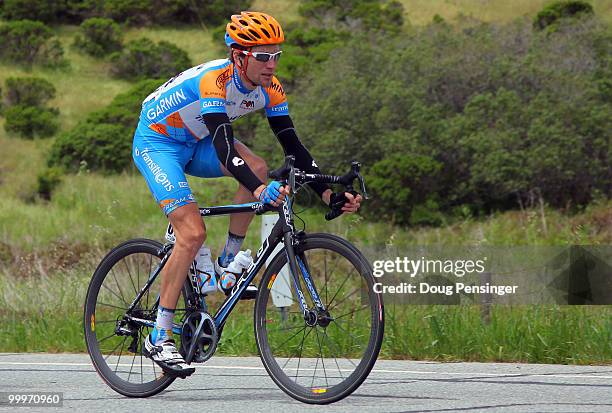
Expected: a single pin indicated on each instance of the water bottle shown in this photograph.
(234, 270)
(205, 271)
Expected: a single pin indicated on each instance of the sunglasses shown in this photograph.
(263, 56)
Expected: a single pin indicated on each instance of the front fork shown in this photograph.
(298, 264)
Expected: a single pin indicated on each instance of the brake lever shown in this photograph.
(291, 179)
(285, 170)
(355, 167)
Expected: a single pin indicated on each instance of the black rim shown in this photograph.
(328, 358)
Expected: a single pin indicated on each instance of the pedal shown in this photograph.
(181, 374)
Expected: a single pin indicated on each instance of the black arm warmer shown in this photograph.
(220, 129)
(283, 128)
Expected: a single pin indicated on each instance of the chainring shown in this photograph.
(199, 337)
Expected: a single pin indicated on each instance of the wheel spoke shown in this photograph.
(106, 338)
(285, 328)
(352, 312)
(118, 286)
(329, 339)
(286, 341)
(346, 331)
(301, 346)
(112, 351)
(314, 373)
(322, 356)
(334, 354)
(344, 299)
(131, 367)
(115, 294)
(110, 305)
(130, 275)
(339, 289)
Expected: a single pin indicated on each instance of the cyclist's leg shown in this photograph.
(190, 233)
(162, 162)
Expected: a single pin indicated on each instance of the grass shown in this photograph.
(535, 334)
(52, 322)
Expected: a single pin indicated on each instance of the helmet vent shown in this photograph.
(254, 33)
(266, 32)
(244, 37)
(233, 27)
(243, 22)
(256, 21)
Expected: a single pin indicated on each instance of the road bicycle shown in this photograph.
(318, 345)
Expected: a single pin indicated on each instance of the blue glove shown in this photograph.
(270, 192)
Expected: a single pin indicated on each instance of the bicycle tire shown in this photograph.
(318, 394)
(129, 248)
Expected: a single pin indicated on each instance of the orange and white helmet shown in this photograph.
(251, 28)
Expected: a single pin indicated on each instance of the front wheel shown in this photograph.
(324, 360)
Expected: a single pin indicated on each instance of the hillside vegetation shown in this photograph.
(475, 125)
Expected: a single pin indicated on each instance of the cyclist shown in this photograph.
(185, 128)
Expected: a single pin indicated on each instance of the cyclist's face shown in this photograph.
(261, 72)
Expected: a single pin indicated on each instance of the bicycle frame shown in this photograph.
(283, 231)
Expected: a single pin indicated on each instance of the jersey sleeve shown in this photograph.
(277, 101)
(212, 91)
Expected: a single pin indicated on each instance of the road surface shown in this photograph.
(232, 384)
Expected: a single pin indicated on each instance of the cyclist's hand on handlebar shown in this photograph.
(347, 202)
(272, 194)
(353, 204)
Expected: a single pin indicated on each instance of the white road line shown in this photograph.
(574, 376)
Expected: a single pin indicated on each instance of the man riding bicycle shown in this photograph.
(185, 128)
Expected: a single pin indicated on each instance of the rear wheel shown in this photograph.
(325, 357)
(115, 346)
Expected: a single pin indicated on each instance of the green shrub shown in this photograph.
(164, 11)
(215, 12)
(31, 121)
(369, 14)
(399, 183)
(143, 58)
(131, 11)
(27, 42)
(41, 10)
(103, 147)
(100, 36)
(103, 141)
(501, 112)
(47, 181)
(28, 91)
(551, 14)
(161, 12)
